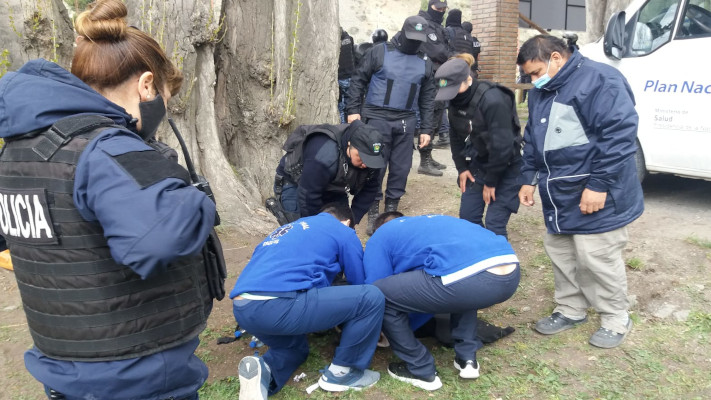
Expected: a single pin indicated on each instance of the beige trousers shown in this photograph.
(589, 272)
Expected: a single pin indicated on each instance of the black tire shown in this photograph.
(639, 163)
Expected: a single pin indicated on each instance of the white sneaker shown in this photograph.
(467, 369)
(254, 379)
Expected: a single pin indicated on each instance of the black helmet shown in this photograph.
(380, 35)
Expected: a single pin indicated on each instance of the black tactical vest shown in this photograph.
(347, 180)
(472, 120)
(80, 304)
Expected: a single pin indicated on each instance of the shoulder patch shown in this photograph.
(150, 167)
(432, 37)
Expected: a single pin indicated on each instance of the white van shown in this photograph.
(663, 48)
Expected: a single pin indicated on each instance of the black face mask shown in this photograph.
(408, 46)
(436, 16)
(462, 97)
(152, 114)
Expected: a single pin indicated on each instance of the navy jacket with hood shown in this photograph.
(321, 161)
(163, 221)
(581, 133)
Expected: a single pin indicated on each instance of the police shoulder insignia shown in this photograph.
(432, 37)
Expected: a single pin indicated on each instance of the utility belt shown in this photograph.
(273, 204)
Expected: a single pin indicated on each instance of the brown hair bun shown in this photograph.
(103, 20)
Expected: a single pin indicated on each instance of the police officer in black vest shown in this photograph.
(346, 66)
(461, 39)
(437, 49)
(324, 164)
(399, 82)
(486, 143)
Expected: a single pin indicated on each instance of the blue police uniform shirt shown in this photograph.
(307, 253)
(407, 243)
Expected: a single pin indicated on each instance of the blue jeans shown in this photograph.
(418, 292)
(498, 212)
(283, 323)
(191, 396)
(343, 85)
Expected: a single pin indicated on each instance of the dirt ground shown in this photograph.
(668, 274)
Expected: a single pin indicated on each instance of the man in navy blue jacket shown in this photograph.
(285, 292)
(579, 149)
(468, 269)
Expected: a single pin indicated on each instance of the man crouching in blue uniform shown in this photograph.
(468, 269)
(284, 293)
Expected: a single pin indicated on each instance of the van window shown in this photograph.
(696, 21)
(654, 25)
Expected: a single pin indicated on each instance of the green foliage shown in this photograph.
(288, 114)
(4, 62)
(703, 243)
(77, 5)
(635, 264)
(699, 322)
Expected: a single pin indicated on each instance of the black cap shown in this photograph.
(414, 28)
(369, 143)
(449, 77)
(437, 3)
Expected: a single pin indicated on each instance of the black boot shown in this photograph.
(373, 213)
(391, 204)
(438, 165)
(443, 140)
(426, 166)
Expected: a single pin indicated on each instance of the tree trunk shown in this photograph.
(34, 29)
(254, 70)
(277, 68)
(598, 13)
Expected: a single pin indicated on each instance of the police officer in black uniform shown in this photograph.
(324, 164)
(461, 39)
(399, 82)
(379, 36)
(437, 49)
(346, 66)
(486, 143)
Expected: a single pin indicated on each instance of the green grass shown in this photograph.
(703, 243)
(635, 264)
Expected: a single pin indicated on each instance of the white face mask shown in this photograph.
(545, 78)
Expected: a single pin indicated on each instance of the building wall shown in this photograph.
(496, 22)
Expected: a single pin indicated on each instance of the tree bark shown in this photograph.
(598, 13)
(254, 70)
(242, 93)
(35, 29)
(277, 69)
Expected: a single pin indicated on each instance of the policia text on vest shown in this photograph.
(24, 215)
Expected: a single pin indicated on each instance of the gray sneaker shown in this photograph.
(556, 323)
(608, 339)
(356, 379)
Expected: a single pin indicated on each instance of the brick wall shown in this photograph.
(495, 24)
